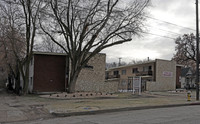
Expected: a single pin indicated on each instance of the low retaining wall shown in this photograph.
(156, 86)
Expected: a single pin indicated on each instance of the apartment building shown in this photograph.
(156, 75)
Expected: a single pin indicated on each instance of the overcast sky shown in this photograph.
(180, 12)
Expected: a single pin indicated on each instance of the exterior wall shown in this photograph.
(49, 73)
(31, 74)
(93, 79)
(178, 77)
(152, 86)
(165, 76)
(111, 86)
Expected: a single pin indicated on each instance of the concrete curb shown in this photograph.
(120, 109)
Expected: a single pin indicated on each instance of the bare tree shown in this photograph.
(11, 39)
(185, 50)
(25, 20)
(140, 61)
(89, 26)
(48, 46)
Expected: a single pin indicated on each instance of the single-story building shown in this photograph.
(48, 74)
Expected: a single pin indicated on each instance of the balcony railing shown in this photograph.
(144, 73)
(112, 76)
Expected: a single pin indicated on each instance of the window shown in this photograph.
(116, 73)
(123, 72)
(145, 68)
(134, 70)
(150, 68)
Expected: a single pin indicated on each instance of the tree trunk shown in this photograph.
(26, 79)
(73, 79)
(17, 80)
(25, 86)
(72, 85)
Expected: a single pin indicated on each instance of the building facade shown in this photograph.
(48, 73)
(157, 75)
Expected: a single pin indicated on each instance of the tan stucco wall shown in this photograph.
(93, 80)
(163, 83)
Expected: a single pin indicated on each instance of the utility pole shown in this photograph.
(197, 51)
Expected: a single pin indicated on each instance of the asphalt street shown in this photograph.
(172, 115)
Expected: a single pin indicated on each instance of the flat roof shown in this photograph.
(49, 53)
(147, 62)
(53, 53)
(152, 61)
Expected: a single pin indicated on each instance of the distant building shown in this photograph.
(157, 75)
(48, 74)
(187, 78)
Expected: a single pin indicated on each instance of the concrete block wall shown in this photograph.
(93, 79)
(152, 86)
(165, 76)
(111, 86)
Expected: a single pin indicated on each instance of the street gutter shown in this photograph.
(68, 114)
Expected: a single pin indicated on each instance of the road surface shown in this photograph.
(173, 115)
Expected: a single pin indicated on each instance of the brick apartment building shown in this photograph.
(48, 73)
(157, 75)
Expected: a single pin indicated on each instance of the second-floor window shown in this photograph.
(150, 68)
(147, 68)
(116, 73)
(124, 72)
(135, 70)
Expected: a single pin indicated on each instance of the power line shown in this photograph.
(171, 32)
(159, 35)
(170, 23)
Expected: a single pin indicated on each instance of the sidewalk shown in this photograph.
(22, 108)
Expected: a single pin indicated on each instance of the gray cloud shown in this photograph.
(180, 12)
